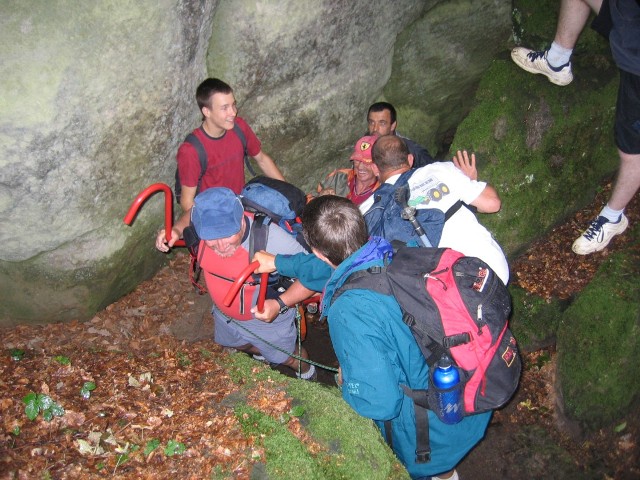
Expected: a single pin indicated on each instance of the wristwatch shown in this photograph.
(283, 306)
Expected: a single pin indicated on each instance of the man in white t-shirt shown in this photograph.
(441, 186)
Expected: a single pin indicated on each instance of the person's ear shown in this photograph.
(206, 112)
(375, 170)
(410, 160)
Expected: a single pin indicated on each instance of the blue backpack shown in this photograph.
(392, 219)
(278, 201)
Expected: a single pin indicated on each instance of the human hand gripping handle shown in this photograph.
(266, 264)
(269, 313)
(266, 260)
(161, 241)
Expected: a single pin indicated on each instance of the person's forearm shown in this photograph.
(309, 269)
(268, 166)
(182, 222)
(296, 293)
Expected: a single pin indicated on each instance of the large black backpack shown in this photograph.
(454, 305)
(202, 157)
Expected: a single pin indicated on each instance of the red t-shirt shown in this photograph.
(225, 159)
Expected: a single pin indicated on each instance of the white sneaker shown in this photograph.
(599, 234)
(536, 62)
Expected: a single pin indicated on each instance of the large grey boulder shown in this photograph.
(305, 73)
(97, 97)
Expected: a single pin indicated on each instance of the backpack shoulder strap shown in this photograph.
(243, 139)
(202, 155)
(258, 235)
(374, 278)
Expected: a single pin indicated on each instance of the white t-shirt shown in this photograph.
(440, 185)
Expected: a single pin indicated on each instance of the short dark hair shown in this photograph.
(208, 88)
(390, 153)
(334, 227)
(380, 107)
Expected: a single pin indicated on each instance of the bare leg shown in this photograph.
(572, 19)
(602, 230)
(628, 181)
(295, 364)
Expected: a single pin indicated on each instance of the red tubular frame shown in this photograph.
(235, 286)
(168, 208)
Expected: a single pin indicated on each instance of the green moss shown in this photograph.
(539, 145)
(534, 321)
(599, 344)
(355, 449)
(286, 457)
(540, 455)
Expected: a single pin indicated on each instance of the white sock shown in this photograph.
(308, 374)
(558, 56)
(452, 477)
(610, 214)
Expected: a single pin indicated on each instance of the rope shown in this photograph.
(291, 354)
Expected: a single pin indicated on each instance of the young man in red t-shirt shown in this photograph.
(225, 153)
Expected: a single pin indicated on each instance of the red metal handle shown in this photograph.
(168, 208)
(235, 286)
(314, 299)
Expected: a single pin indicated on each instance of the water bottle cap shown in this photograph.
(444, 362)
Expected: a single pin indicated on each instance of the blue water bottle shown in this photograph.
(446, 379)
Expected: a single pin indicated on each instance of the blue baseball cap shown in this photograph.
(217, 213)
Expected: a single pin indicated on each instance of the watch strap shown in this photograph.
(283, 306)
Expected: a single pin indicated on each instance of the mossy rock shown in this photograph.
(534, 320)
(543, 147)
(353, 446)
(599, 344)
(539, 145)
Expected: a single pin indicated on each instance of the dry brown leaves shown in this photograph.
(150, 385)
(550, 269)
(150, 388)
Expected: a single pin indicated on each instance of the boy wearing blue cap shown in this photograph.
(224, 229)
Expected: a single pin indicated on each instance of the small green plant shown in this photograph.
(86, 389)
(62, 360)
(205, 353)
(619, 428)
(174, 448)
(16, 354)
(297, 411)
(41, 403)
(16, 430)
(183, 359)
(151, 446)
(124, 453)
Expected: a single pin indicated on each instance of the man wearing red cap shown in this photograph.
(356, 183)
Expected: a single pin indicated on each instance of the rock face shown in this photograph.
(95, 100)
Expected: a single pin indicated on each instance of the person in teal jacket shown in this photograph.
(376, 351)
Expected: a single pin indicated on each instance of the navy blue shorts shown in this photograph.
(627, 123)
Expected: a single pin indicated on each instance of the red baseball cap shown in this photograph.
(362, 150)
